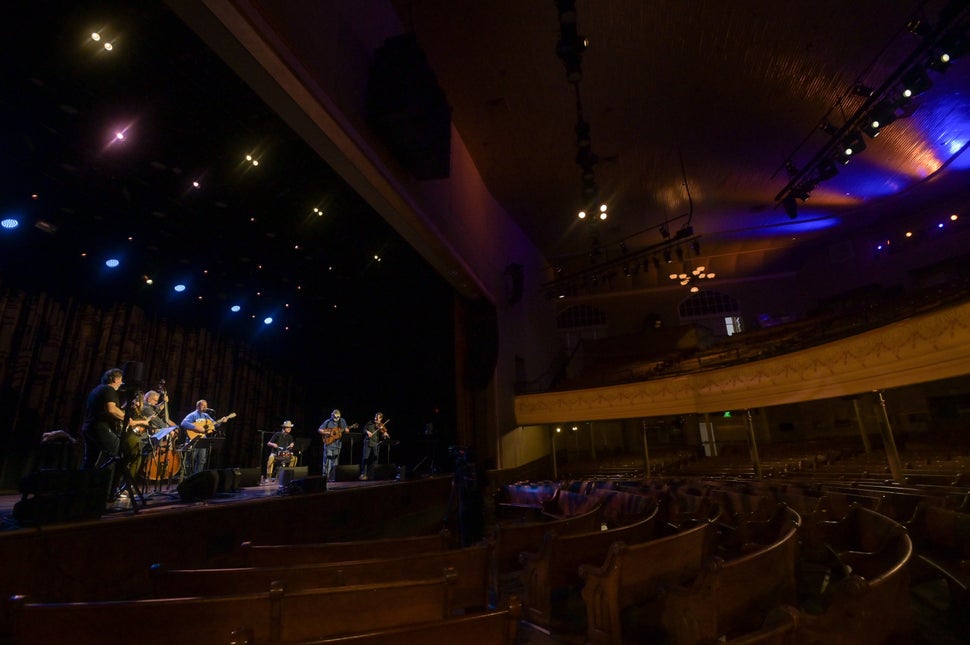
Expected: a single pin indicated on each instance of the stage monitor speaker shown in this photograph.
(313, 484)
(347, 473)
(385, 471)
(247, 477)
(199, 486)
(227, 480)
(61, 495)
(285, 475)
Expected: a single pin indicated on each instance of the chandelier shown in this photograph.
(693, 278)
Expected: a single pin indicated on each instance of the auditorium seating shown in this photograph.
(635, 574)
(553, 571)
(470, 566)
(251, 555)
(271, 616)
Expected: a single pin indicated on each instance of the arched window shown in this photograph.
(717, 311)
(578, 322)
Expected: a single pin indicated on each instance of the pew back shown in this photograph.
(471, 564)
(281, 554)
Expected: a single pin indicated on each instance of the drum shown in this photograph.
(163, 465)
(284, 458)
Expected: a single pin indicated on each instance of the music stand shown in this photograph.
(299, 445)
(162, 460)
(202, 443)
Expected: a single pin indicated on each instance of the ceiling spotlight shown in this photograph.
(581, 214)
(235, 309)
(95, 36)
(852, 145)
(9, 223)
(111, 263)
(179, 288)
(879, 117)
(603, 215)
(914, 83)
(268, 320)
(108, 47)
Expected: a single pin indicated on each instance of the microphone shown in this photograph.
(209, 410)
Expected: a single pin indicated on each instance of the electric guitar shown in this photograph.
(335, 433)
(206, 426)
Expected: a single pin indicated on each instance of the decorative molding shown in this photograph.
(923, 348)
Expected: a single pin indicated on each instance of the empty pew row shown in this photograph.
(469, 589)
(509, 540)
(637, 573)
(496, 627)
(252, 555)
(942, 538)
(274, 616)
(554, 569)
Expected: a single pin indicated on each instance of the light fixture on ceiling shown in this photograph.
(693, 278)
(852, 145)
(914, 83)
(879, 117)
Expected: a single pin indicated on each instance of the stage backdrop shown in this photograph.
(54, 351)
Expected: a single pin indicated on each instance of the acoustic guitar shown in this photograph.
(206, 426)
(335, 433)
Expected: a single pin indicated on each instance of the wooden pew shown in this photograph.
(523, 502)
(511, 539)
(734, 597)
(251, 555)
(632, 574)
(471, 564)
(554, 569)
(942, 538)
(867, 599)
(566, 504)
(498, 627)
(275, 615)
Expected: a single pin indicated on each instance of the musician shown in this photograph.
(102, 421)
(157, 408)
(333, 430)
(197, 421)
(282, 445)
(374, 433)
(135, 436)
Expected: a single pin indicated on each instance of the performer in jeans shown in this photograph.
(282, 453)
(333, 431)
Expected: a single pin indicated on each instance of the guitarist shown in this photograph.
(195, 422)
(333, 431)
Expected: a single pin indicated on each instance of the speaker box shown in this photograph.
(227, 480)
(408, 110)
(385, 471)
(312, 484)
(247, 477)
(347, 473)
(61, 495)
(199, 486)
(286, 475)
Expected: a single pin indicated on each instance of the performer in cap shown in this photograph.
(333, 431)
(282, 449)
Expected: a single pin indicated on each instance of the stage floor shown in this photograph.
(165, 498)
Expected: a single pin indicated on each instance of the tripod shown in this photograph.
(127, 482)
